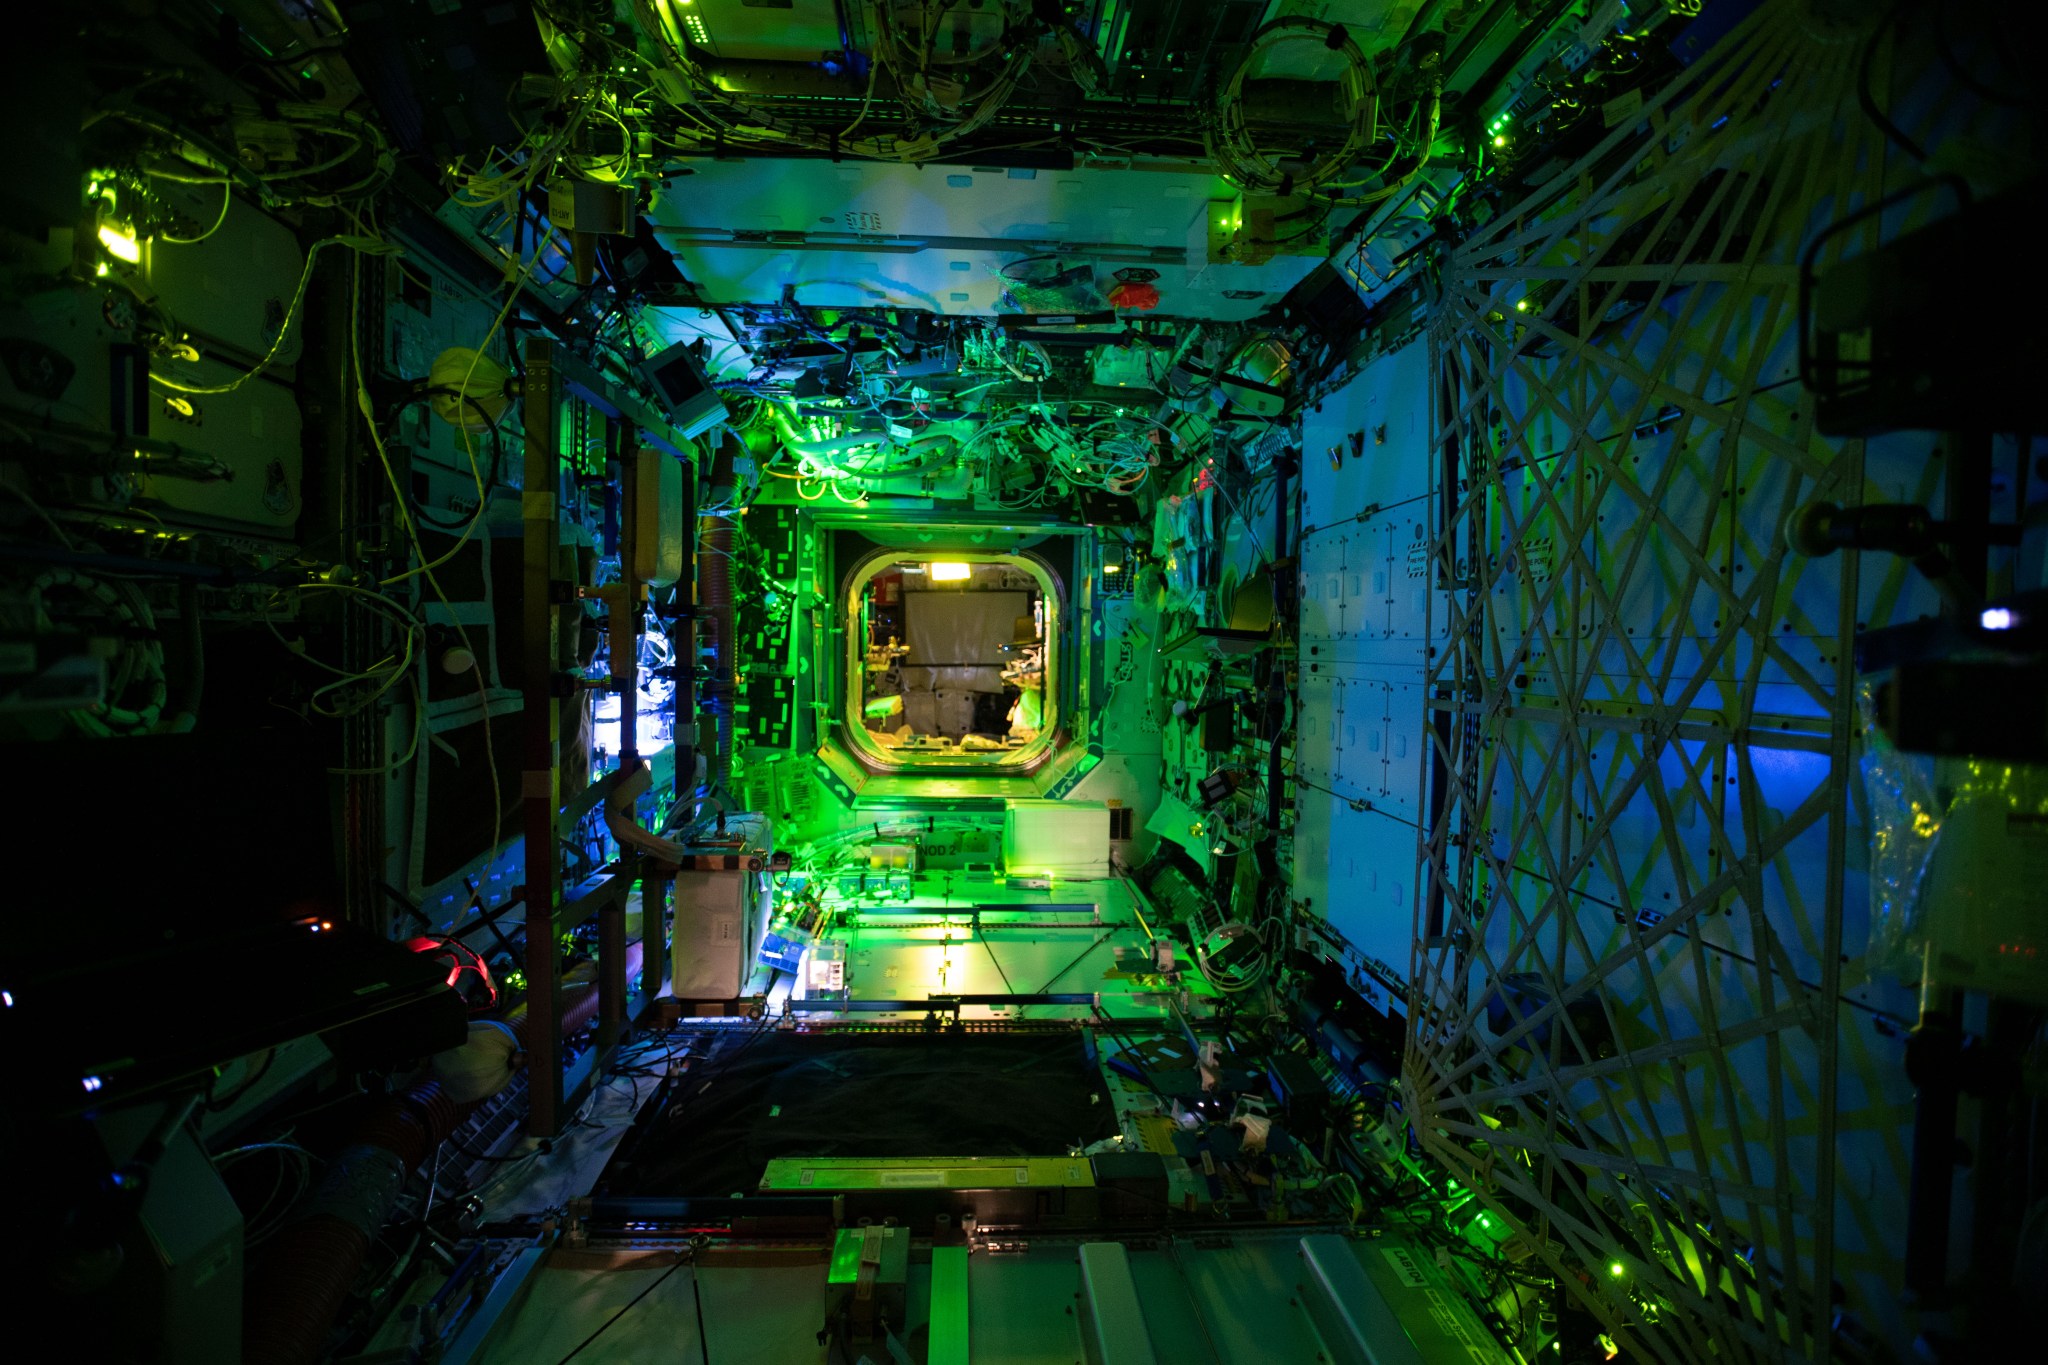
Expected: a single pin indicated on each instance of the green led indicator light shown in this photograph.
(1616, 1269)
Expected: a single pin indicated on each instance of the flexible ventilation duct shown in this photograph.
(296, 1292)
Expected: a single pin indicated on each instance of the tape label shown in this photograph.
(1405, 1266)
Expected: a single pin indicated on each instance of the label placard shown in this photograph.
(1406, 1266)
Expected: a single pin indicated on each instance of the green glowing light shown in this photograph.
(1616, 1269)
(120, 242)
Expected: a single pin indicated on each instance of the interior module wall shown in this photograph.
(1642, 1018)
(1365, 634)
(438, 809)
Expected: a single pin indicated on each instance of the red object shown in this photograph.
(1132, 294)
(467, 972)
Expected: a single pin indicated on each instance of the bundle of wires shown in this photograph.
(191, 156)
(912, 69)
(357, 691)
(134, 694)
(856, 458)
(1243, 975)
(291, 1176)
(1124, 450)
(999, 449)
(693, 92)
(1231, 144)
(1116, 452)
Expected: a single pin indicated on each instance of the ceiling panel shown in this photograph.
(936, 237)
(779, 30)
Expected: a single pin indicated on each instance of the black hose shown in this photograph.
(184, 700)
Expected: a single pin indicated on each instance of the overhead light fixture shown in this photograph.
(120, 242)
(949, 572)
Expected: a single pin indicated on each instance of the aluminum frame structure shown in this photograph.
(1628, 1026)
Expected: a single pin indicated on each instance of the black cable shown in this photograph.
(1129, 1049)
(1357, 803)
(494, 430)
(703, 1336)
(1955, 65)
(1868, 101)
(680, 1263)
(993, 959)
(640, 1066)
(1075, 963)
(410, 906)
(718, 1071)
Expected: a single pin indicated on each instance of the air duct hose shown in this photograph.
(714, 595)
(579, 994)
(625, 827)
(297, 1290)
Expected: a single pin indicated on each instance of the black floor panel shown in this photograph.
(776, 1095)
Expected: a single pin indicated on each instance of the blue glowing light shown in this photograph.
(92, 1083)
(1997, 618)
